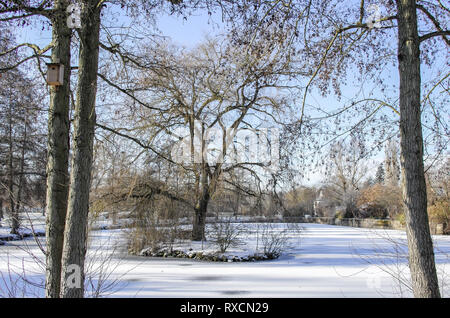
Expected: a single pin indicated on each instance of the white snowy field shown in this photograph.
(324, 261)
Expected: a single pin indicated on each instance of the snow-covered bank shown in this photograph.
(31, 224)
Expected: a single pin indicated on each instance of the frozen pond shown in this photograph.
(327, 261)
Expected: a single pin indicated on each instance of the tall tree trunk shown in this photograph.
(75, 239)
(12, 201)
(22, 170)
(58, 153)
(421, 255)
(1, 211)
(198, 229)
(201, 207)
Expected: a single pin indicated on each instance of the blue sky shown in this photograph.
(186, 32)
(189, 32)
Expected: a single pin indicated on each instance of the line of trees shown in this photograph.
(22, 142)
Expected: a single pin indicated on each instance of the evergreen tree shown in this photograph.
(379, 176)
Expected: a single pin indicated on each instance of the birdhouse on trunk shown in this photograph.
(55, 74)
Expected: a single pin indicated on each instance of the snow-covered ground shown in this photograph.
(327, 261)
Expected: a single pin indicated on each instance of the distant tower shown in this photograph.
(318, 203)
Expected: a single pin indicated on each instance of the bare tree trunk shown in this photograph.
(421, 255)
(1, 211)
(58, 154)
(13, 212)
(201, 207)
(22, 170)
(75, 239)
(198, 229)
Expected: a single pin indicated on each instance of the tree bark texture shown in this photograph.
(201, 207)
(58, 153)
(75, 239)
(420, 245)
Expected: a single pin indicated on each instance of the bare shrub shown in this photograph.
(225, 234)
(155, 236)
(275, 239)
(155, 225)
(141, 237)
(101, 267)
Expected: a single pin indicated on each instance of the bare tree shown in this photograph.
(58, 119)
(20, 138)
(347, 172)
(58, 151)
(420, 245)
(212, 87)
(75, 235)
(392, 168)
